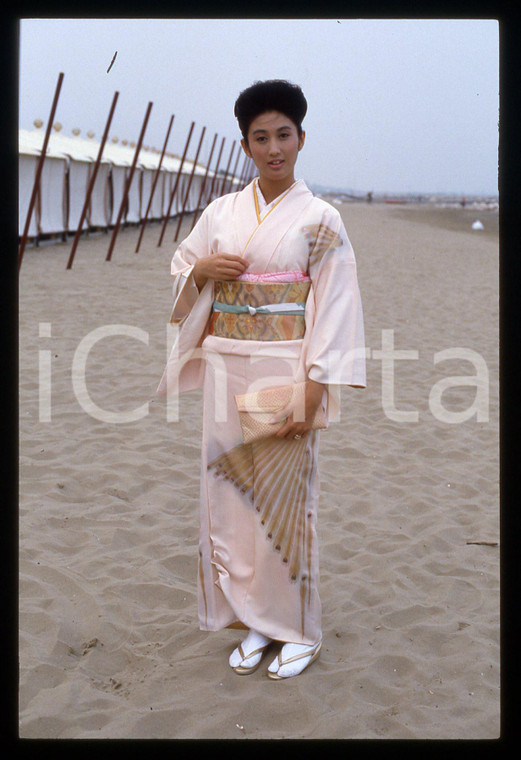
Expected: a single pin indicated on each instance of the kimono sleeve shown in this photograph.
(184, 289)
(336, 351)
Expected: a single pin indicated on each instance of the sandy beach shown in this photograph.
(408, 523)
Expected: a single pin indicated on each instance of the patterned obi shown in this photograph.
(264, 307)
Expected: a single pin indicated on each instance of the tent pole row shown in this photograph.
(39, 169)
(219, 185)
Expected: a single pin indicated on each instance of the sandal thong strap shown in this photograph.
(315, 649)
(251, 654)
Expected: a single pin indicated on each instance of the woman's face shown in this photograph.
(273, 144)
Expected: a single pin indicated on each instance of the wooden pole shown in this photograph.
(92, 181)
(128, 183)
(241, 175)
(246, 178)
(228, 166)
(165, 222)
(204, 184)
(189, 184)
(232, 177)
(242, 181)
(39, 168)
(210, 197)
(251, 171)
(154, 183)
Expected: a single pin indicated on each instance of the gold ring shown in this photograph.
(296, 437)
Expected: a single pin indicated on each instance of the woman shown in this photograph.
(275, 248)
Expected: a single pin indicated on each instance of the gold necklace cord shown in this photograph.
(257, 210)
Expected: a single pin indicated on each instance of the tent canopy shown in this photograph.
(79, 149)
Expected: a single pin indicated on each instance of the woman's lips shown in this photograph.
(275, 164)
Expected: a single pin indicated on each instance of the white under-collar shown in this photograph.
(263, 206)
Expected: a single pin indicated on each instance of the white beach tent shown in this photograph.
(50, 208)
(172, 164)
(27, 162)
(121, 158)
(65, 175)
(195, 187)
(149, 163)
(68, 167)
(82, 155)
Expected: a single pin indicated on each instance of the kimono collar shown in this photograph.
(259, 238)
(261, 207)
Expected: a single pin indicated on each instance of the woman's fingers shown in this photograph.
(218, 266)
(280, 417)
(232, 257)
(290, 428)
(227, 266)
(229, 259)
(228, 272)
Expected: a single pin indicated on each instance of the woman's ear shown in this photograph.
(302, 140)
(246, 148)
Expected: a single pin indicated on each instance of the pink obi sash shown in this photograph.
(296, 275)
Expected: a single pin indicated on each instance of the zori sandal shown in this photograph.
(312, 654)
(241, 669)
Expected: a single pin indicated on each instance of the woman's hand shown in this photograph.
(291, 428)
(218, 266)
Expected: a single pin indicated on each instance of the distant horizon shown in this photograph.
(329, 190)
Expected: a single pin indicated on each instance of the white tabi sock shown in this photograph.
(252, 642)
(295, 667)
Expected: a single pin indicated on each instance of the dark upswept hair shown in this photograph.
(272, 95)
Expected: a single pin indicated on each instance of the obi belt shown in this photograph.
(267, 306)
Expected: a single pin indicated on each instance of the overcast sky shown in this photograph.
(393, 105)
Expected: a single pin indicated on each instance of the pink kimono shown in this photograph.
(295, 314)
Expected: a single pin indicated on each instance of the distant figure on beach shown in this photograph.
(463, 202)
(266, 297)
(369, 196)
